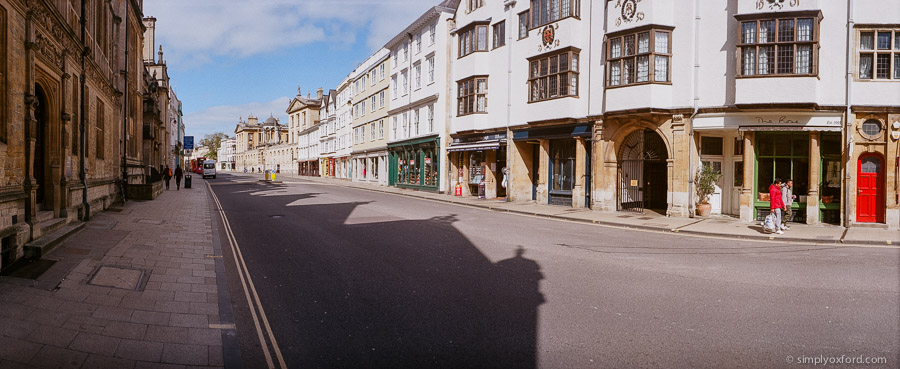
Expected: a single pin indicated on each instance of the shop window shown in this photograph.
(738, 174)
(476, 167)
(783, 46)
(738, 146)
(711, 146)
(830, 186)
(782, 155)
(553, 75)
(639, 57)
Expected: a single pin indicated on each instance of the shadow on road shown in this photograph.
(387, 293)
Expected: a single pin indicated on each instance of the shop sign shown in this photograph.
(427, 160)
(412, 162)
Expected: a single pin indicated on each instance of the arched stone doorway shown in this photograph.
(643, 172)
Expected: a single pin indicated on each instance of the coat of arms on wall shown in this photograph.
(629, 11)
(776, 4)
(548, 38)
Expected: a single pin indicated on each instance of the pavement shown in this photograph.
(138, 287)
(715, 226)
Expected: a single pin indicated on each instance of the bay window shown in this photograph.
(472, 39)
(472, 96)
(553, 75)
(639, 56)
(782, 46)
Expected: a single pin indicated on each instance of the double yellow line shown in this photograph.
(253, 301)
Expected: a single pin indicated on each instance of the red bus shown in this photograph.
(197, 165)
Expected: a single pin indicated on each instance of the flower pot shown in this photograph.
(703, 210)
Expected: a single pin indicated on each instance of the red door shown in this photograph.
(869, 190)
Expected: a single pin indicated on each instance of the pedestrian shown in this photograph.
(178, 175)
(167, 175)
(787, 197)
(776, 204)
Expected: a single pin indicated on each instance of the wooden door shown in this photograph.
(870, 189)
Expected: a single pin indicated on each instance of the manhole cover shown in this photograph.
(117, 277)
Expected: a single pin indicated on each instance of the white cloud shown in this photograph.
(225, 118)
(193, 30)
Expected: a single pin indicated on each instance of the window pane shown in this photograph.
(534, 69)
(883, 66)
(545, 12)
(783, 144)
(766, 31)
(766, 60)
(615, 73)
(643, 68)
(566, 8)
(766, 143)
(482, 103)
(805, 29)
(554, 64)
(544, 64)
(766, 175)
(865, 66)
(573, 84)
(482, 38)
(554, 87)
(629, 45)
(628, 71)
(644, 42)
(523, 25)
(575, 62)
(711, 145)
(800, 143)
(661, 44)
(800, 175)
(897, 66)
(554, 10)
(661, 70)
(563, 85)
(749, 54)
(785, 30)
(615, 48)
(867, 41)
(804, 59)
(884, 40)
(482, 86)
(748, 32)
(786, 59)
(896, 40)
(564, 62)
(738, 174)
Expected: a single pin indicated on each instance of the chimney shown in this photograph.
(319, 93)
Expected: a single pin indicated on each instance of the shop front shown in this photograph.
(555, 162)
(752, 150)
(309, 168)
(370, 166)
(479, 162)
(415, 164)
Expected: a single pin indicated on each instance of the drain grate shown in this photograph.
(119, 277)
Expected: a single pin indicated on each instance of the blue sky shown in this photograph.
(230, 58)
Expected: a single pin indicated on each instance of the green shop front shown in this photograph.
(415, 163)
(760, 147)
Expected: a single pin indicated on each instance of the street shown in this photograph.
(355, 278)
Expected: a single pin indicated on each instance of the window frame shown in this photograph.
(524, 24)
(574, 9)
(892, 53)
(573, 54)
(777, 45)
(651, 54)
(468, 36)
(470, 98)
(498, 42)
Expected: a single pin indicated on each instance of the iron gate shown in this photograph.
(643, 172)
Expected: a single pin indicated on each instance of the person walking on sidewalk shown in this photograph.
(776, 204)
(787, 197)
(167, 175)
(178, 175)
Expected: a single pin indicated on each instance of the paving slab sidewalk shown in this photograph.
(715, 226)
(138, 287)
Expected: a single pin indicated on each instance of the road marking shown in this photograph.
(253, 300)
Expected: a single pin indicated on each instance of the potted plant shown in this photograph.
(706, 185)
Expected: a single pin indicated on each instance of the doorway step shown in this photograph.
(48, 233)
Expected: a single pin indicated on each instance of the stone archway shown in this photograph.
(643, 171)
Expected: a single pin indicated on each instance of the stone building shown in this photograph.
(370, 104)
(261, 146)
(304, 119)
(60, 155)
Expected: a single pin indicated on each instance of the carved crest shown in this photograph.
(628, 11)
(776, 4)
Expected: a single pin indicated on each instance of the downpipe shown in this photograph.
(85, 51)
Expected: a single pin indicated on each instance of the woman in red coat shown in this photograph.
(776, 204)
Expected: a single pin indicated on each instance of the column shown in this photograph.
(543, 190)
(747, 195)
(520, 163)
(490, 174)
(580, 160)
(815, 160)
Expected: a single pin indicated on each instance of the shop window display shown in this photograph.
(782, 155)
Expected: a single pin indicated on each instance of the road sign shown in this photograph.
(188, 142)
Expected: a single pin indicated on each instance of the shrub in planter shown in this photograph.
(706, 181)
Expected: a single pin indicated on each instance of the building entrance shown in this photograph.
(643, 172)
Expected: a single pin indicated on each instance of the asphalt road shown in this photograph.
(354, 278)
